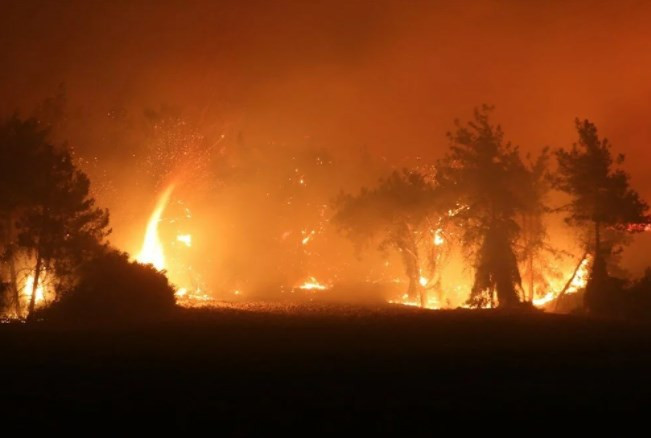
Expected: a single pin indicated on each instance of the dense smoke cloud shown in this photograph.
(344, 77)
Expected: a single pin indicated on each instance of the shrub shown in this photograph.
(112, 288)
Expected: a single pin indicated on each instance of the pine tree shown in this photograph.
(47, 210)
(601, 198)
(395, 209)
(481, 176)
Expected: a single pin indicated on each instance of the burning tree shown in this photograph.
(482, 179)
(533, 246)
(48, 216)
(601, 199)
(396, 209)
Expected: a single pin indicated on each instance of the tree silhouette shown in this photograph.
(601, 197)
(481, 177)
(395, 210)
(47, 211)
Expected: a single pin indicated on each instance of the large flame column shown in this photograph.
(152, 251)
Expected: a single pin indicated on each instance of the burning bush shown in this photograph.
(111, 288)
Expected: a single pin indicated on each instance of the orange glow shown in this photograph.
(29, 285)
(312, 284)
(438, 238)
(577, 283)
(432, 303)
(186, 239)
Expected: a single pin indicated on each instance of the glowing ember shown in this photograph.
(438, 237)
(186, 239)
(423, 281)
(152, 248)
(312, 284)
(193, 298)
(432, 303)
(307, 237)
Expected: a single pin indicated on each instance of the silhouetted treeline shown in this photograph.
(490, 202)
(482, 196)
(53, 246)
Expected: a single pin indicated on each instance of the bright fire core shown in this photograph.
(152, 251)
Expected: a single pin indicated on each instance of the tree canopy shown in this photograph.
(394, 210)
(600, 197)
(600, 191)
(482, 176)
(49, 219)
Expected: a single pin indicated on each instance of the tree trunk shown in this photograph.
(407, 245)
(569, 282)
(597, 240)
(531, 291)
(14, 284)
(415, 291)
(37, 275)
(13, 277)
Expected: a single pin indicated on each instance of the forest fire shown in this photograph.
(153, 252)
(337, 215)
(463, 226)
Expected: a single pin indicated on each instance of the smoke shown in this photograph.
(256, 90)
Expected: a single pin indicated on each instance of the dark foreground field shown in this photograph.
(332, 366)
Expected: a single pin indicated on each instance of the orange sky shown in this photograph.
(387, 75)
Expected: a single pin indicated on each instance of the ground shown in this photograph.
(248, 368)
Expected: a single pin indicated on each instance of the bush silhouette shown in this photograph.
(604, 294)
(638, 300)
(112, 288)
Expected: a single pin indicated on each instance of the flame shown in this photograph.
(153, 253)
(539, 302)
(152, 248)
(185, 239)
(312, 284)
(579, 281)
(29, 285)
(193, 298)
